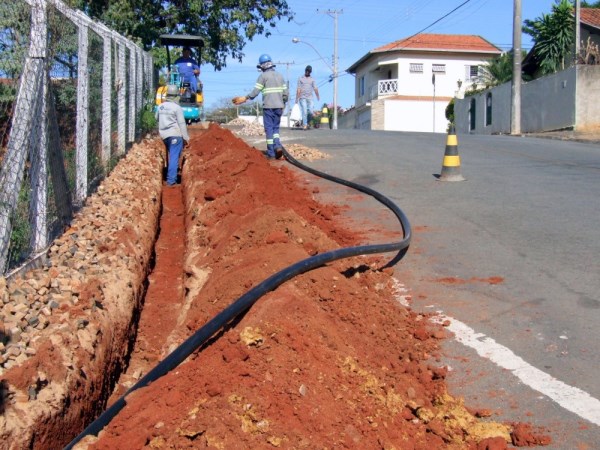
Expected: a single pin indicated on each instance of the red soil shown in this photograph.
(329, 359)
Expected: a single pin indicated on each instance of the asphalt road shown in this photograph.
(511, 255)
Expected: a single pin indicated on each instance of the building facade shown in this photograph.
(407, 84)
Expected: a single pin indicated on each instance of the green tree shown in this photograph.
(499, 70)
(554, 37)
(585, 4)
(14, 38)
(225, 25)
(223, 110)
(449, 112)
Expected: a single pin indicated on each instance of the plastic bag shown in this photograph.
(295, 113)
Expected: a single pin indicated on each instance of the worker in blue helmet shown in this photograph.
(274, 90)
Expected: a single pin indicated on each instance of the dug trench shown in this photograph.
(330, 359)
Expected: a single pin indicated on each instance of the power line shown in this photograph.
(395, 20)
(438, 20)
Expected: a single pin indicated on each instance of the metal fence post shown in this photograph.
(131, 91)
(81, 157)
(13, 164)
(38, 178)
(149, 72)
(120, 86)
(106, 96)
(139, 84)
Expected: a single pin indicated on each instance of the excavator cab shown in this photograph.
(191, 102)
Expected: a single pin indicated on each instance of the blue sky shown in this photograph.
(362, 26)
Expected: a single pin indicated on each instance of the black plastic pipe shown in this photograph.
(244, 303)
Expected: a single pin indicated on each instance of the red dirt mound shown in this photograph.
(330, 359)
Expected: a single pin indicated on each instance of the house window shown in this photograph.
(416, 68)
(471, 72)
(438, 68)
(361, 86)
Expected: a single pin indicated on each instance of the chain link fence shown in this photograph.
(72, 92)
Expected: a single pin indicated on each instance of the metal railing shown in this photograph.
(387, 87)
(382, 88)
(71, 96)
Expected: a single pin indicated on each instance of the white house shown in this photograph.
(407, 84)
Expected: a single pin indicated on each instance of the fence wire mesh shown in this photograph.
(71, 95)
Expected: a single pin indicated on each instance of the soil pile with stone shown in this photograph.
(330, 359)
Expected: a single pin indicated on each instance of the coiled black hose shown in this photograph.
(244, 303)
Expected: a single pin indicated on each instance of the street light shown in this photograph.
(334, 73)
(296, 40)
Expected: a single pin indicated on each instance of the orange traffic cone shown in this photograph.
(451, 164)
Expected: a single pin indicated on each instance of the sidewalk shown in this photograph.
(591, 136)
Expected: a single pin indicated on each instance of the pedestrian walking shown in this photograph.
(304, 95)
(274, 96)
(173, 131)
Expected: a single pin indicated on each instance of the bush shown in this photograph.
(450, 111)
(148, 121)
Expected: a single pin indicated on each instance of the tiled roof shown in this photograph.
(457, 43)
(591, 16)
(441, 42)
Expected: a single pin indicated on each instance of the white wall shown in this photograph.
(416, 84)
(446, 85)
(415, 116)
(561, 100)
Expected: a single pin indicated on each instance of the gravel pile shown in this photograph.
(42, 297)
(27, 305)
(237, 121)
(65, 327)
(302, 152)
(251, 129)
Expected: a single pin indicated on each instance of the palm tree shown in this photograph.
(553, 36)
(499, 70)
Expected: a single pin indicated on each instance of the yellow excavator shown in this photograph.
(192, 103)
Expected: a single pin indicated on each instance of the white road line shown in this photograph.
(571, 398)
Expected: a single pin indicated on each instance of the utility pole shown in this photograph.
(287, 78)
(515, 125)
(433, 82)
(334, 14)
(577, 30)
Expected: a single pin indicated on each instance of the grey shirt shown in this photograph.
(273, 88)
(306, 86)
(171, 122)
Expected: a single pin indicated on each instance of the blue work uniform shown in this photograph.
(186, 67)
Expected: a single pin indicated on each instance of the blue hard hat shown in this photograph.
(264, 59)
